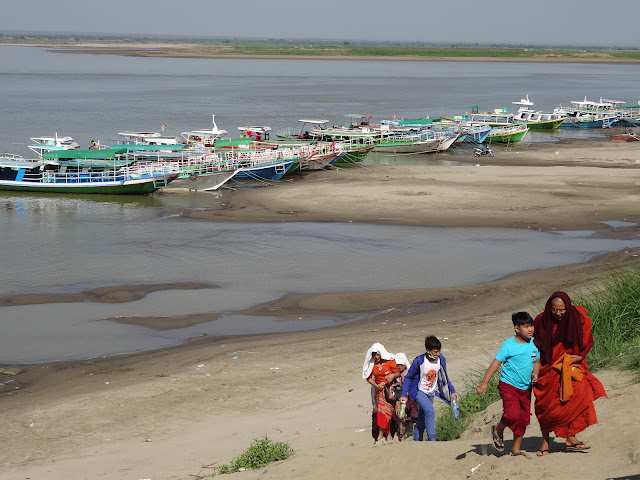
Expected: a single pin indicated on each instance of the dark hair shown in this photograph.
(431, 343)
(521, 318)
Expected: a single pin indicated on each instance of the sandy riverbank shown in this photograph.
(203, 403)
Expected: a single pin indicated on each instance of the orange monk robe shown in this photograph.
(576, 412)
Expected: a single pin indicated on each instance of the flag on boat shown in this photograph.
(163, 127)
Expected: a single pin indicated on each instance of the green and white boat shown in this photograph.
(507, 133)
(537, 120)
(83, 173)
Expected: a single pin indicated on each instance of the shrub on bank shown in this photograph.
(447, 427)
(615, 311)
(261, 453)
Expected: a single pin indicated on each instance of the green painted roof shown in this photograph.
(84, 153)
(420, 121)
(233, 142)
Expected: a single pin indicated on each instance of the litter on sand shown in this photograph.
(10, 371)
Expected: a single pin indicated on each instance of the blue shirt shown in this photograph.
(517, 362)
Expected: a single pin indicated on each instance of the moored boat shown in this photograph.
(536, 120)
(625, 137)
(25, 175)
(507, 133)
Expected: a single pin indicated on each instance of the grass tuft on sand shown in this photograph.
(262, 452)
(615, 311)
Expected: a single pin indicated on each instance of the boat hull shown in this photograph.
(545, 124)
(506, 138)
(272, 171)
(203, 181)
(129, 187)
(426, 146)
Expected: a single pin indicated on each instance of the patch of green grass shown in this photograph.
(447, 427)
(615, 311)
(261, 453)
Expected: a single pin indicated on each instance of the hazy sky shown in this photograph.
(547, 22)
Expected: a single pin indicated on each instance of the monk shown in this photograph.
(566, 389)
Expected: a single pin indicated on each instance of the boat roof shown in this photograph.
(204, 132)
(52, 139)
(255, 129)
(86, 153)
(313, 120)
(408, 123)
(151, 148)
(17, 161)
(139, 134)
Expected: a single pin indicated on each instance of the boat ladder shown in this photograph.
(160, 182)
(280, 168)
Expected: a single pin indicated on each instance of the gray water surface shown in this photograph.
(70, 244)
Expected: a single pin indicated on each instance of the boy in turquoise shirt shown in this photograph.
(520, 360)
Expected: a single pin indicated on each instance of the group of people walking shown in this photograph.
(546, 356)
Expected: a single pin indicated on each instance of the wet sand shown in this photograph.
(203, 403)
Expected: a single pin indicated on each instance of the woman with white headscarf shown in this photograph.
(380, 369)
(401, 423)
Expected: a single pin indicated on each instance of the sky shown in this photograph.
(533, 22)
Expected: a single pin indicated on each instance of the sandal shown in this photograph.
(542, 452)
(498, 443)
(577, 447)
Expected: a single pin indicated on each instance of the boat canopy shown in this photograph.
(86, 153)
(419, 121)
(151, 148)
(313, 121)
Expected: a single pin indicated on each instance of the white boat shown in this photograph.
(41, 145)
(535, 119)
(258, 133)
(203, 138)
(588, 114)
(148, 138)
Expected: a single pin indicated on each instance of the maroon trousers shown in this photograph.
(516, 408)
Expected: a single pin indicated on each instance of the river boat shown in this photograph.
(46, 175)
(507, 134)
(628, 115)
(625, 137)
(313, 130)
(41, 145)
(203, 139)
(148, 138)
(536, 120)
(588, 114)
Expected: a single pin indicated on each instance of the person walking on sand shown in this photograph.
(401, 422)
(566, 389)
(427, 377)
(380, 369)
(520, 360)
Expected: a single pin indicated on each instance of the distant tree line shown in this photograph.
(77, 37)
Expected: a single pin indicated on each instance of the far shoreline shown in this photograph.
(187, 50)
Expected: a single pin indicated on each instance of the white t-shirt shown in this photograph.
(429, 376)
